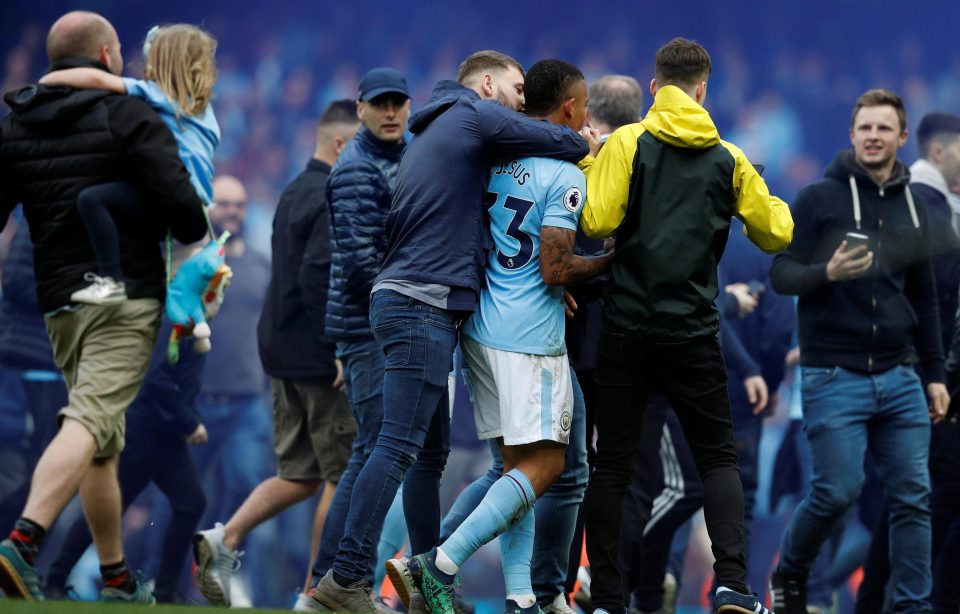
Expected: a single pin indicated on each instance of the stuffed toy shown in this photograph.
(195, 295)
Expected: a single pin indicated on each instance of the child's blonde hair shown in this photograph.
(181, 61)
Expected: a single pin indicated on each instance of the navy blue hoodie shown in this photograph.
(889, 315)
(437, 230)
(758, 343)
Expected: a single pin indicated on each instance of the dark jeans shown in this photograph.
(945, 521)
(363, 379)
(101, 207)
(418, 342)
(165, 461)
(691, 375)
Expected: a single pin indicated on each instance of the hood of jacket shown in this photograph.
(445, 94)
(676, 119)
(923, 172)
(845, 165)
(845, 168)
(38, 105)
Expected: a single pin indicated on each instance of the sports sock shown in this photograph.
(27, 537)
(505, 503)
(117, 575)
(516, 551)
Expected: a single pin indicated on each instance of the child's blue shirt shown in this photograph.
(197, 137)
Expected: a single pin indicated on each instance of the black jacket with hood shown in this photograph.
(58, 141)
(889, 315)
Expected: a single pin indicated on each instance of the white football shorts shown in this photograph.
(523, 398)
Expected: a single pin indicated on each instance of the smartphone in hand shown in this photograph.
(856, 239)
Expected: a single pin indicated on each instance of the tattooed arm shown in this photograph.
(559, 265)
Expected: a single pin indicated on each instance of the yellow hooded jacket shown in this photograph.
(668, 187)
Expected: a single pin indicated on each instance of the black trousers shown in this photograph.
(167, 462)
(692, 377)
(666, 473)
(101, 207)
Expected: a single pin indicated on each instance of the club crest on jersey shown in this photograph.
(572, 199)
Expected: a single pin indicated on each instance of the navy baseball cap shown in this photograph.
(382, 81)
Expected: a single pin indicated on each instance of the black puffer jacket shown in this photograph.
(886, 317)
(58, 141)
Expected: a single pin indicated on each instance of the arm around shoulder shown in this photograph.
(85, 78)
(150, 157)
(513, 134)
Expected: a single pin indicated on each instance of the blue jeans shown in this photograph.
(845, 414)
(418, 342)
(363, 380)
(556, 510)
(239, 449)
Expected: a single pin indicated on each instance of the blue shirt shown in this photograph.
(518, 311)
(196, 137)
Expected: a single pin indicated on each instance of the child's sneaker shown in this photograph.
(101, 291)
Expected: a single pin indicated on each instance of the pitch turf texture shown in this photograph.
(8, 606)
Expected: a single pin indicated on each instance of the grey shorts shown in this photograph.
(313, 430)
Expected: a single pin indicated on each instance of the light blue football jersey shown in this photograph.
(518, 311)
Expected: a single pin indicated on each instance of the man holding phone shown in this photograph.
(869, 347)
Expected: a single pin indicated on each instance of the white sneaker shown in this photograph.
(101, 291)
(306, 603)
(559, 606)
(216, 565)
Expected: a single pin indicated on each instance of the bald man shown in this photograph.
(56, 142)
(240, 444)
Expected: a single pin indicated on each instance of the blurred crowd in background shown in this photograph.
(783, 78)
(783, 83)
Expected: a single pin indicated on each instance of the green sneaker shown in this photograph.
(437, 592)
(115, 595)
(18, 579)
(399, 572)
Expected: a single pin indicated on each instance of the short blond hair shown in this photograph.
(182, 62)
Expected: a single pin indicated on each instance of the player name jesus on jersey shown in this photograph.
(518, 311)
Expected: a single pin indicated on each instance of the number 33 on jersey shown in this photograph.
(518, 311)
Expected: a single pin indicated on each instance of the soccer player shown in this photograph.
(518, 371)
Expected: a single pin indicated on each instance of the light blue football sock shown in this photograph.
(507, 501)
(516, 551)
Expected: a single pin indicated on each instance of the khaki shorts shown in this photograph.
(104, 352)
(313, 430)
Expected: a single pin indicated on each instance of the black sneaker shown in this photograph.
(732, 602)
(788, 592)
